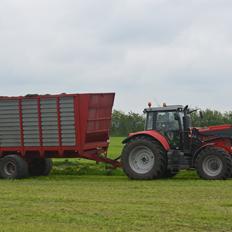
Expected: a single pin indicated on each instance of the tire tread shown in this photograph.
(153, 174)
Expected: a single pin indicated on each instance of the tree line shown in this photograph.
(125, 123)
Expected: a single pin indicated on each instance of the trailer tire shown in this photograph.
(40, 166)
(143, 159)
(13, 167)
(214, 163)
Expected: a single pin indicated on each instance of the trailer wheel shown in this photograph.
(143, 159)
(214, 164)
(40, 166)
(13, 167)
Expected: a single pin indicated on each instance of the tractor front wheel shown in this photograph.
(143, 159)
(214, 164)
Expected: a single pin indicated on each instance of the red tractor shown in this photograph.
(170, 144)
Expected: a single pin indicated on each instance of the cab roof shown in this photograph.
(165, 108)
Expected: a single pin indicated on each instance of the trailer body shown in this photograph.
(56, 126)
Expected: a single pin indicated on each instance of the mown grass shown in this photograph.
(88, 202)
(88, 167)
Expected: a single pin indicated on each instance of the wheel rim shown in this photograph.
(212, 165)
(141, 160)
(10, 168)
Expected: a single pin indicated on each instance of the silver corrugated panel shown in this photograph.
(49, 122)
(9, 123)
(30, 122)
(50, 133)
(8, 102)
(10, 116)
(67, 121)
(49, 111)
(10, 120)
(12, 124)
(7, 112)
(31, 111)
(67, 127)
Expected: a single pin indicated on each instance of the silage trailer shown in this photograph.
(36, 128)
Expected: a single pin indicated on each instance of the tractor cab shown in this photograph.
(173, 122)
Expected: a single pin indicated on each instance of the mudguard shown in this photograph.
(152, 134)
(223, 142)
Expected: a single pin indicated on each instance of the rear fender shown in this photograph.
(221, 142)
(151, 134)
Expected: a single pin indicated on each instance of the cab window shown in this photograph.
(149, 121)
(165, 121)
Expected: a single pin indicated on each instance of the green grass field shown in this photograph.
(83, 196)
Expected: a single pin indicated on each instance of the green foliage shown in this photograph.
(123, 124)
(211, 118)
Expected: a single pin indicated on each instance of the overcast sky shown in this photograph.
(173, 51)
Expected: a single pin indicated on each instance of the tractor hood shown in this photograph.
(222, 130)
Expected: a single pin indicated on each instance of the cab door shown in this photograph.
(167, 124)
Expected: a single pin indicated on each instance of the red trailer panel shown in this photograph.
(49, 126)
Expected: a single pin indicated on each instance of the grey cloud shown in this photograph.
(176, 51)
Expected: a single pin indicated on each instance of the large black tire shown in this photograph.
(13, 167)
(143, 159)
(214, 163)
(40, 166)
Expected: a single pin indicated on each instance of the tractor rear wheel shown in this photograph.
(214, 164)
(143, 159)
(40, 166)
(13, 167)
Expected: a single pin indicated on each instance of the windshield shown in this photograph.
(165, 121)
